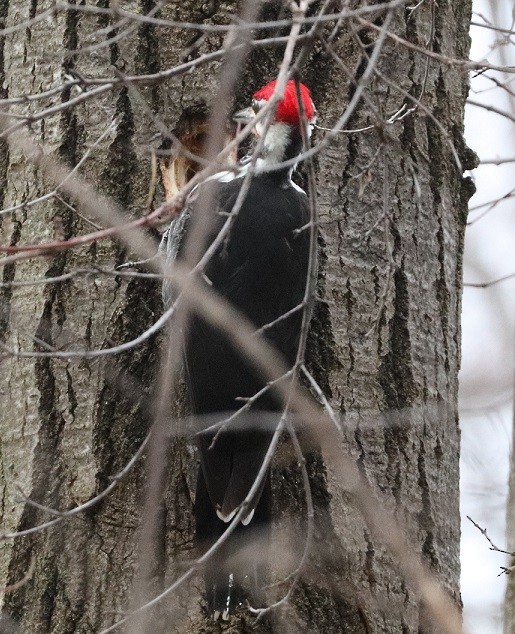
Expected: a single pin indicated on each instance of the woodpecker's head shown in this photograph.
(283, 138)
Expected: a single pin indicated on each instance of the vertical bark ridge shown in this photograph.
(49, 470)
(8, 270)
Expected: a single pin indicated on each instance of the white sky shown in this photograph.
(486, 392)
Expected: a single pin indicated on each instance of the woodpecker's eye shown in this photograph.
(257, 104)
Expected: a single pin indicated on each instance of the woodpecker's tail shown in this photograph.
(224, 596)
(237, 573)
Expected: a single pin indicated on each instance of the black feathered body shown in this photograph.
(261, 269)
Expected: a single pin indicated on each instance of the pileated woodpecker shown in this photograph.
(261, 268)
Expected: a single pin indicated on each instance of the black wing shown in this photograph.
(261, 268)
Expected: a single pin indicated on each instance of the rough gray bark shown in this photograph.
(384, 344)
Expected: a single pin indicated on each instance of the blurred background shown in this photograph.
(486, 392)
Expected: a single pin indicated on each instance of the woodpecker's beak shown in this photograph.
(244, 116)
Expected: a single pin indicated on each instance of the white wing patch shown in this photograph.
(296, 187)
(226, 518)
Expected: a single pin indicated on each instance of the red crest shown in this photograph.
(288, 110)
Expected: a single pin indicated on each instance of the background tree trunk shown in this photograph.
(384, 344)
(509, 599)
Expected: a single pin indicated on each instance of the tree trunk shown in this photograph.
(509, 599)
(384, 343)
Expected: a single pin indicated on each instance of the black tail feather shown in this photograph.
(236, 575)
